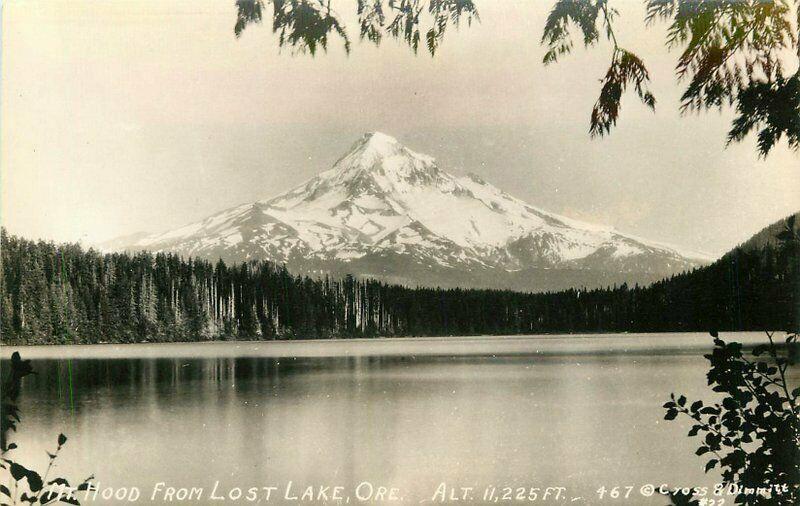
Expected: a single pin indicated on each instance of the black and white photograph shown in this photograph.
(400, 252)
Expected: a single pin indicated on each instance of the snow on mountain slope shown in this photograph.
(382, 205)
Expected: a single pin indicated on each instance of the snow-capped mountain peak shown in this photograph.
(377, 146)
(379, 159)
(383, 205)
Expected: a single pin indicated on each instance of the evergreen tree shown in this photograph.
(63, 294)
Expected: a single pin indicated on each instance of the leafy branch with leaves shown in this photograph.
(742, 54)
(626, 68)
(733, 53)
(305, 25)
(753, 434)
(23, 485)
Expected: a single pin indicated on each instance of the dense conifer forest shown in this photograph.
(65, 294)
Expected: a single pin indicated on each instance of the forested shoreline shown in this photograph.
(63, 294)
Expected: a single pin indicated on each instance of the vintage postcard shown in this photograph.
(375, 252)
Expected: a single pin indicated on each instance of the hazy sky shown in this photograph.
(122, 116)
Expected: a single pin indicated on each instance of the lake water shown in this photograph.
(578, 412)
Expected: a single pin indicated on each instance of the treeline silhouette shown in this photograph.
(65, 294)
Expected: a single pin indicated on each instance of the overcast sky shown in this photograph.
(123, 116)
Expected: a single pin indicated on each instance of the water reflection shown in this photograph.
(413, 421)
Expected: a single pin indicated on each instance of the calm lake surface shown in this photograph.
(578, 412)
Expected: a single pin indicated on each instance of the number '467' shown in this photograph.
(614, 493)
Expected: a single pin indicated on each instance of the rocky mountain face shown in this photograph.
(388, 212)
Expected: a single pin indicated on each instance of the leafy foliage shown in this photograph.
(26, 485)
(626, 68)
(590, 16)
(556, 30)
(371, 20)
(305, 25)
(732, 54)
(772, 108)
(247, 12)
(9, 412)
(444, 13)
(753, 434)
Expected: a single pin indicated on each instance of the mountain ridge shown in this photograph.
(383, 210)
